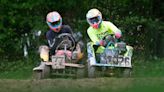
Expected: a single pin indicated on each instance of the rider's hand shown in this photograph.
(118, 35)
(101, 43)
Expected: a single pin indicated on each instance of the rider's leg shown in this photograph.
(44, 53)
(44, 56)
(78, 53)
(97, 55)
(79, 49)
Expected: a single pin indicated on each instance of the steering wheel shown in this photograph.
(109, 39)
(66, 40)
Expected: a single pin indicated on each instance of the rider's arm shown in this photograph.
(92, 35)
(50, 38)
(115, 30)
(67, 29)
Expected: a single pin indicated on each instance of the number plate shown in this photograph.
(58, 62)
(119, 61)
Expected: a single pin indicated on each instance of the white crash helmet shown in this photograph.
(94, 18)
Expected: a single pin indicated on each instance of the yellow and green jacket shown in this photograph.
(106, 28)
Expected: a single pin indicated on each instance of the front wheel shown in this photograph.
(127, 72)
(38, 74)
(91, 70)
(47, 70)
(80, 73)
(42, 73)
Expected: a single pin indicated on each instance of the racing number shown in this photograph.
(127, 60)
(121, 59)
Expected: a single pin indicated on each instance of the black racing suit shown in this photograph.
(53, 41)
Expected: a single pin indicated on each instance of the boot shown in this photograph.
(40, 67)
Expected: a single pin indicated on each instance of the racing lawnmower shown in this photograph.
(65, 63)
(114, 60)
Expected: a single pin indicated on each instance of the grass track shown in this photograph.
(147, 76)
(84, 85)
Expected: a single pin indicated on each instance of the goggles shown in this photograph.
(94, 20)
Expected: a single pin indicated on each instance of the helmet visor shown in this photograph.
(94, 20)
(55, 24)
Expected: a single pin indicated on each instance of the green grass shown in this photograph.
(149, 68)
(23, 69)
(141, 69)
(147, 76)
(20, 69)
(84, 85)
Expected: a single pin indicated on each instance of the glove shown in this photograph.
(117, 35)
(101, 43)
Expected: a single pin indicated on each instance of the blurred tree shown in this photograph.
(24, 16)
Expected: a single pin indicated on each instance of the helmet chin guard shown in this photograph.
(56, 29)
(96, 26)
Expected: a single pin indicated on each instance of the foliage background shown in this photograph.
(141, 22)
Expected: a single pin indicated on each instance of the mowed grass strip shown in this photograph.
(84, 85)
